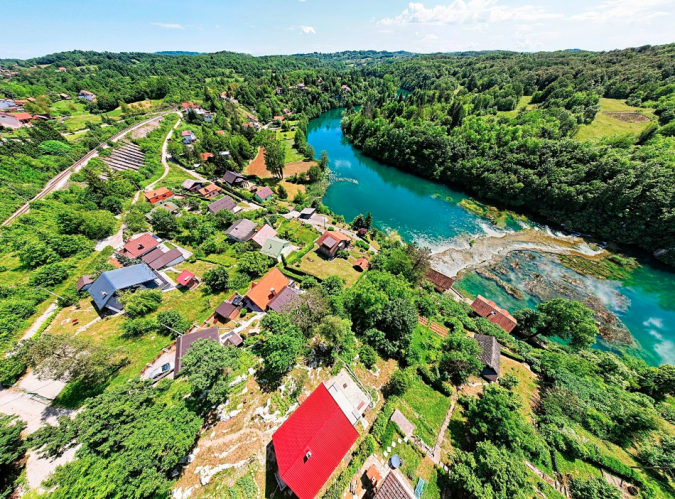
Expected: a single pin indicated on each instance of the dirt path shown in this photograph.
(164, 148)
(436, 458)
(40, 320)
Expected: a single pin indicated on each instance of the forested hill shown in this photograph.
(460, 125)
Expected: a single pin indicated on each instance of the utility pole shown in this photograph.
(54, 294)
(15, 191)
(172, 329)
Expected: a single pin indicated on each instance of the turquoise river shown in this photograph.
(431, 215)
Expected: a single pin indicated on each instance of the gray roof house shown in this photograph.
(286, 296)
(233, 178)
(224, 203)
(192, 184)
(241, 230)
(106, 288)
(489, 356)
(158, 259)
(184, 343)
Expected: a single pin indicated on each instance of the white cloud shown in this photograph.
(168, 25)
(628, 11)
(473, 11)
(306, 30)
(429, 38)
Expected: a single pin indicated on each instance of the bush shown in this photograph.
(134, 328)
(243, 312)
(50, 275)
(217, 279)
(509, 381)
(367, 356)
(400, 382)
(344, 254)
(594, 488)
(141, 302)
(12, 368)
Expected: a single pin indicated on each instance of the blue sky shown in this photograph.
(37, 27)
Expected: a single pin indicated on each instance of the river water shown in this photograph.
(432, 215)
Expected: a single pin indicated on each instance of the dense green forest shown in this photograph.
(451, 128)
(503, 125)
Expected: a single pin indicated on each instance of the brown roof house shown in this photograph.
(210, 191)
(488, 309)
(241, 230)
(224, 203)
(395, 486)
(185, 342)
(441, 282)
(139, 246)
(489, 356)
(84, 283)
(331, 242)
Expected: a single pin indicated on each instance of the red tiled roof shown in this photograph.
(209, 189)
(265, 192)
(312, 442)
(337, 236)
(22, 116)
(261, 293)
(186, 133)
(139, 246)
(362, 263)
(442, 281)
(185, 278)
(206, 155)
(487, 308)
(158, 193)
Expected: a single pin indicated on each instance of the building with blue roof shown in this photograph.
(105, 289)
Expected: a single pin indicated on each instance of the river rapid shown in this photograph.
(503, 256)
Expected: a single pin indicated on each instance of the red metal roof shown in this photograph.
(185, 277)
(134, 248)
(318, 426)
(489, 309)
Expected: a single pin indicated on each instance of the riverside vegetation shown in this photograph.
(586, 413)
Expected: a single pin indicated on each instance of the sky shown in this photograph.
(32, 28)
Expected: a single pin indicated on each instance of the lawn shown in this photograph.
(527, 388)
(425, 408)
(175, 177)
(292, 154)
(297, 232)
(318, 266)
(606, 126)
(68, 108)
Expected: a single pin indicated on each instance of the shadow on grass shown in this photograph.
(74, 395)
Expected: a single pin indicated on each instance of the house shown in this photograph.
(189, 105)
(313, 441)
(186, 279)
(307, 213)
(301, 86)
(225, 154)
(158, 258)
(161, 194)
(64, 96)
(264, 194)
(191, 185)
(264, 291)
(23, 118)
(185, 342)
(395, 486)
(106, 288)
(278, 91)
(169, 206)
(227, 311)
(9, 121)
(262, 234)
(206, 156)
(233, 339)
(208, 117)
(361, 264)
(84, 283)
(188, 136)
(136, 248)
(224, 203)
(220, 132)
(61, 70)
(241, 230)
(234, 179)
(441, 282)
(283, 298)
(278, 118)
(274, 247)
(287, 112)
(86, 95)
(8, 105)
(490, 352)
(346, 88)
(210, 191)
(488, 309)
(331, 242)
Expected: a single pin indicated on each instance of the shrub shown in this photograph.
(243, 312)
(367, 356)
(400, 382)
(217, 279)
(342, 254)
(50, 275)
(141, 302)
(509, 381)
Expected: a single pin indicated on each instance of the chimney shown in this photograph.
(308, 455)
(272, 292)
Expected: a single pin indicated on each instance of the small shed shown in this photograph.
(185, 279)
(361, 264)
(307, 213)
(84, 282)
(441, 282)
(264, 194)
(490, 352)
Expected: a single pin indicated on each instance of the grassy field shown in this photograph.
(425, 408)
(607, 126)
(523, 102)
(315, 264)
(175, 177)
(297, 232)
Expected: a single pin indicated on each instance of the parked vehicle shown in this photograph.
(162, 371)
